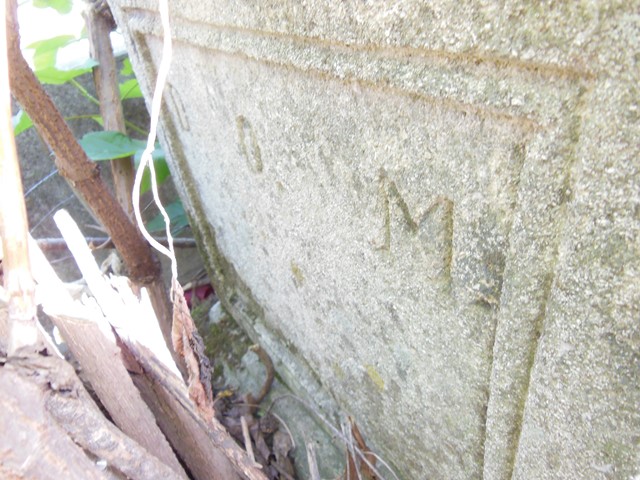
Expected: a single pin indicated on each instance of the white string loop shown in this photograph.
(146, 159)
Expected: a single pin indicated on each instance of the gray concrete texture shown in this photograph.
(427, 213)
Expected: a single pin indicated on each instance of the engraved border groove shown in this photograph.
(145, 22)
(472, 59)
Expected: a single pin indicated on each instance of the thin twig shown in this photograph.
(105, 77)
(312, 461)
(53, 244)
(337, 433)
(268, 365)
(247, 438)
(351, 450)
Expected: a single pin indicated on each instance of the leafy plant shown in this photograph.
(177, 216)
(49, 72)
(61, 6)
(44, 59)
(101, 145)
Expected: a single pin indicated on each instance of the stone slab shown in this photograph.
(427, 214)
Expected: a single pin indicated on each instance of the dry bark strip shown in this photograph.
(51, 428)
(190, 346)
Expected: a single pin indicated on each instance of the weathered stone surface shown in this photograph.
(243, 372)
(427, 214)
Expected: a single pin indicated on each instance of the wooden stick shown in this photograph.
(105, 76)
(55, 244)
(20, 288)
(247, 438)
(314, 473)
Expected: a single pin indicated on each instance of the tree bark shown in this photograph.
(105, 77)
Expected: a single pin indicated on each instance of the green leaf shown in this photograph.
(127, 69)
(21, 122)
(54, 76)
(177, 218)
(46, 51)
(61, 6)
(109, 145)
(98, 119)
(44, 59)
(130, 89)
(159, 164)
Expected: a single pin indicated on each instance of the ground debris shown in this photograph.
(271, 443)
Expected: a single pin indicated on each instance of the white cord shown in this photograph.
(146, 159)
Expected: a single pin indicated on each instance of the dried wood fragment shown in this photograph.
(89, 338)
(104, 368)
(247, 438)
(203, 443)
(52, 429)
(314, 473)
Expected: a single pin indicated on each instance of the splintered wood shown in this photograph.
(188, 343)
(112, 337)
(184, 415)
(52, 428)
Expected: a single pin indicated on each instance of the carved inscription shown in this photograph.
(249, 144)
(433, 228)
